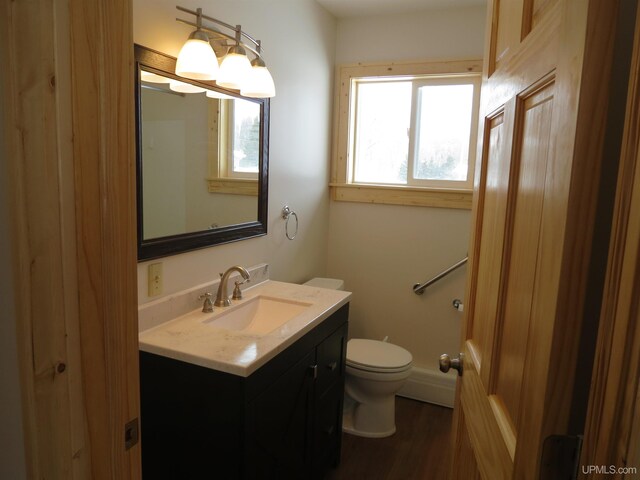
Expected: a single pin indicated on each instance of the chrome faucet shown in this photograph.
(222, 297)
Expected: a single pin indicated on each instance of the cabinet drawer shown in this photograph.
(331, 355)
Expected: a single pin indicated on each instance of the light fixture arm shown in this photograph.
(217, 51)
(255, 46)
(199, 18)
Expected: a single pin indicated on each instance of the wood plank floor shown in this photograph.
(419, 450)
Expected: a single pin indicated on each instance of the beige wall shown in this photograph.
(299, 44)
(381, 250)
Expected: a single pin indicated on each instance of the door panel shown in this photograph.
(489, 443)
(531, 235)
(506, 33)
(532, 142)
(533, 12)
(494, 192)
(465, 466)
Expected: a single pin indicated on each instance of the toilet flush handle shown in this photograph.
(447, 363)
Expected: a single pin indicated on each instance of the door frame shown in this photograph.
(68, 131)
(612, 431)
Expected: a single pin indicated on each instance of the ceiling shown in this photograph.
(362, 8)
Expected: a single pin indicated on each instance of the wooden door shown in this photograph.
(544, 101)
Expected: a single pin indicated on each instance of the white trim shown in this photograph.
(430, 386)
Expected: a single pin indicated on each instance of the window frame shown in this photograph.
(222, 178)
(450, 194)
(227, 119)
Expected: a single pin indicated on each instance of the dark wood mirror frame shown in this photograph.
(164, 65)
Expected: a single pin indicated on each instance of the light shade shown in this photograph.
(216, 94)
(197, 59)
(152, 77)
(183, 87)
(235, 69)
(259, 83)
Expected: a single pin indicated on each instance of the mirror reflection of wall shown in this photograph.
(200, 159)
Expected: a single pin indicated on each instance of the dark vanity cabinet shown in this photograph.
(281, 422)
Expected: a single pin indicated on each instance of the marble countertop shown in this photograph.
(191, 337)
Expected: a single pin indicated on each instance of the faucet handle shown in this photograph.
(207, 306)
(237, 293)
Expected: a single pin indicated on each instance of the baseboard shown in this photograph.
(430, 386)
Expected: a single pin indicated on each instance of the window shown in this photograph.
(406, 133)
(239, 126)
(243, 143)
(234, 147)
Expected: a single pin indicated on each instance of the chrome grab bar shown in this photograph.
(419, 288)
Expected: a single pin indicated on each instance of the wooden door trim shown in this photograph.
(104, 146)
(43, 267)
(70, 148)
(614, 402)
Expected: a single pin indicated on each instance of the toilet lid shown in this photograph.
(377, 356)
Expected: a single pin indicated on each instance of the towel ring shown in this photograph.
(287, 213)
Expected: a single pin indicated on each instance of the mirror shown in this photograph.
(202, 161)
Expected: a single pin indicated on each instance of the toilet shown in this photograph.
(374, 372)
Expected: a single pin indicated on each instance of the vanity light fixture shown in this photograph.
(235, 72)
(196, 59)
(152, 77)
(219, 95)
(259, 84)
(183, 87)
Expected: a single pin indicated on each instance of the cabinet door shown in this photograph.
(331, 358)
(329, 400)
(328, 430)
(279, 439)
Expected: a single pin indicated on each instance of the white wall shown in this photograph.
(299, 45)
(382, 250)
(455, 33)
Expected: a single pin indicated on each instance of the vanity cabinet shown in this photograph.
(281, 422)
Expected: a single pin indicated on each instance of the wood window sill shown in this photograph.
(233, 186)
(402, 195)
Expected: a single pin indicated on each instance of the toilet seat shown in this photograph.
(376, 356)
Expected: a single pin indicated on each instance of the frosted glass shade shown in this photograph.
(152, 77)
(234, 71)
(216, 94)
(259, 83)
(197, 60)
(182, 87)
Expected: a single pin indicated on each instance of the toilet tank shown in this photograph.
(330, 283)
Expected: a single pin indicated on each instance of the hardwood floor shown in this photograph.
(419, 450)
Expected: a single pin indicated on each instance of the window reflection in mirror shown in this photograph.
(200, 159)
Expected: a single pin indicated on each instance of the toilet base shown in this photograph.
(370, 420)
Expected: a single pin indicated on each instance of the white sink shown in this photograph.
(259, 315)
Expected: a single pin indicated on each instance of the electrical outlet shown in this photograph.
(154, 275)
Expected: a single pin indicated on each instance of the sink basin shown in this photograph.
(259, 315)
